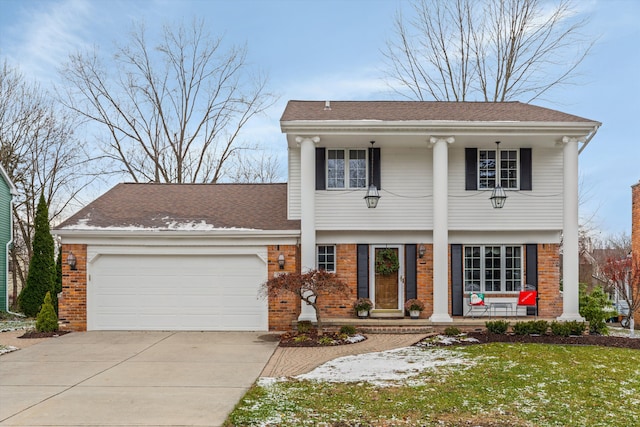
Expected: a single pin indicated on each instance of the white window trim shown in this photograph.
(517, 187)
(346, 169)
(335, 257)
(503, 267)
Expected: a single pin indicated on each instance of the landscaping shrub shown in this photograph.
(522, 328)
(325, 340)
(539, 327)
(561, 329)
(595, 308)
(497, 326)
(452, 331)
(304, 326)
(348, 330)
(47, 321)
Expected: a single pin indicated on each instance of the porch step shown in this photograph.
(396, 329)
(386, 314)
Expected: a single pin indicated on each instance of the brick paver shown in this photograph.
(291, 361)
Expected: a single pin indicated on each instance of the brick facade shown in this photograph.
(286, 308)
(635, 230)
(72, 306)
(550, 303)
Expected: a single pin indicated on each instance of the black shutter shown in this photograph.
(531, 273)
(363, 271)
(526, 176)
(457, 285)
(471, 168)
(411, 285)
(374, 169)
(321, 157)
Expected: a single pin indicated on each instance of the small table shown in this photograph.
(505, 305)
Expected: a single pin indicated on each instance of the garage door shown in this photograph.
(161, 292)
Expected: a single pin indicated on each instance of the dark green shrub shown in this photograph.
(522, 328)
(348, 330)
(452, 331)
(561, 329)
(304, 326)
(539, 327)
(576, 328)
(47, 321)
(497, 326)
(42, 266)
(595, 308)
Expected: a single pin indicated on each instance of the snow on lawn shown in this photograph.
(382, 368)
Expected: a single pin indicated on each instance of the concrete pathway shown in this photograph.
(291, 361)
(131, 378)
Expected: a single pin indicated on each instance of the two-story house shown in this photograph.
(150, 256)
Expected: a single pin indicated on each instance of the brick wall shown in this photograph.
(73, 304)
(635, 230)
(284, 309)
(424, 280)
(550, 304)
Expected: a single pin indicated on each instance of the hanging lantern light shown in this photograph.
(373, 196)
(498, 195)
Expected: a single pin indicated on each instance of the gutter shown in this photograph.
(589, 138)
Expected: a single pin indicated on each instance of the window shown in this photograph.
(487, 169)
(327, 258)
(346, 168)
(494, 268)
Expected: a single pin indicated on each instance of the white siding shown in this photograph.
(294, 183)
(540, 209)
(406, 202)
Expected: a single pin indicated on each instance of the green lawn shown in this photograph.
(498, 385)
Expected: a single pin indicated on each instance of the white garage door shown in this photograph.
(168, 292)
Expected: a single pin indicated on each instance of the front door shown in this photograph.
(387, 284)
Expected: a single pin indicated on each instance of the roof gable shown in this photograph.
(186, 207)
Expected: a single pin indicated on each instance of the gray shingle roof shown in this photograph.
(425, 111)
(187, 207)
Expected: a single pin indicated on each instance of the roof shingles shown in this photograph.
(424, 111)
(187, 206)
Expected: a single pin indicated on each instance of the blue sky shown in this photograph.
(330, 49)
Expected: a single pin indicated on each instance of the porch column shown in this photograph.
(307, 213)
(440, 229)
(570, 262)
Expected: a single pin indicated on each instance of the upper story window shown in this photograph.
(346, 168)
(327, 258)
(508, 169)
(492, 268)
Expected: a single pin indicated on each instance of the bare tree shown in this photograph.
(623, 275)
(255, 166)
(172, 112)
(40, 155)
(485, 50)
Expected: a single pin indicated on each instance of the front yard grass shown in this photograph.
(500, 385)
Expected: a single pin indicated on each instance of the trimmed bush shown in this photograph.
(522, 328)
(595, 308)
(348, 330)
(304, 326)
(47, 321)
(561, 329)
(452, 331)
(497, 326)
(539, 327)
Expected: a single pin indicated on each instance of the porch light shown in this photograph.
(71, 261)
(372, 196)
(421, 251)
(281, 261)
(498, 196)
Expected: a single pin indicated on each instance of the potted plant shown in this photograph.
(363, 306)
(414, 307)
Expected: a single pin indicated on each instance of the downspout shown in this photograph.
(589, 138)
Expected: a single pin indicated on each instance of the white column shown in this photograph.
(307, 213)
(570, 262)
(441, 229)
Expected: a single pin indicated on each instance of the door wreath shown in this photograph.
(387, 262)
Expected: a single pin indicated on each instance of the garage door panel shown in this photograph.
(152, 292)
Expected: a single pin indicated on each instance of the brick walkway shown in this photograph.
(291, 361)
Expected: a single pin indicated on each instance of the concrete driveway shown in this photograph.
(131, 378)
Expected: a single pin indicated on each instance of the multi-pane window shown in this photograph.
(508, 168)
(327, 258)
(346, 174)
(492, 268)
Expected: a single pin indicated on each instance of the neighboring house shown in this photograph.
(635, 229)
(168, 256)
(7, 193)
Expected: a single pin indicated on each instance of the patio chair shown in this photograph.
(477, 305)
